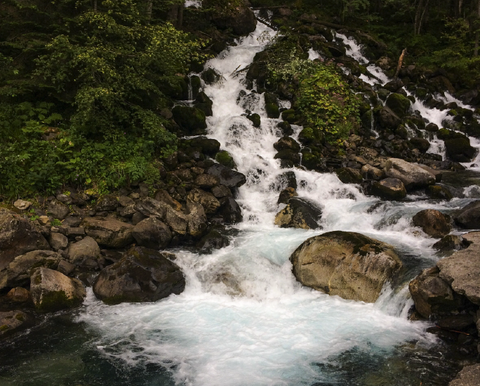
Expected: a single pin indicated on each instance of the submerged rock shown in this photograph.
(142, 275)
(347, 264)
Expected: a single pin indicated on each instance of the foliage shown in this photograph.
(327, 103)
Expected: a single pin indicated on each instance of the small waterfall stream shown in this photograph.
(243, 319)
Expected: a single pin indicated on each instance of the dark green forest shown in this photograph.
(86, 86)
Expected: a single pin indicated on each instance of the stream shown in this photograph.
(243, 319)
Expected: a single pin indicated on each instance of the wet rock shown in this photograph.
(431, 294)
(421, 144)
(469, 216)
(346, 264)
(17, 236)
(204, 103)
(209, 202)
(439, 192)
(271, 105)
(108, 232)
(226, 176)
(13, 321)
(449, 243)
(412, 176)
(287, 143)
(433, 222)
(197, 219)
(224, 158)
(152, 233)
(207, 181)
(299, 213)
(388, 119)
(142, 275)
(221, 191)
(86, 249)
(214, 239)
(286, 194)
(230, 211)
(399, 104)
(255, 119)
(458, 147)
(18, 271)
(53, 291)
(371, 172)
(389, 189)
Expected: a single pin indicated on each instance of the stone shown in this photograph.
(209, 202)
(18, 295)
(468, 376)
(286, 194)
(152, 233)
(86, 249)
(389, 189)
(107, 203)
(439, 192)
(299, 213)
(230, 211)
(197, 219)
(240, 18)
(433, 222)
(17, 236)
(412, 176)
(449, 243)
(22, 204)
(462, 269)
(108, 232)
(371, 172)
(206, 181)
(347, 264)
(142, 275)
(58, 241)
(163, 196)
(18, 271)
(469, 216)
(53, 291)
(12, 321)
(214, 239)
(398, 103)
(349, 175)
(57, 209)
(287, 143)
(191, 119)
(226, 176)
(221, 191)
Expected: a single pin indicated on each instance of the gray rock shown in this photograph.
(78, 253)
(347, 264)
(22, 204)
(142, 275)
(226, 176)
(18, 271)
(468, 376)
(206, 199)
(53, 291)
(462, 269)
(17, 236)
(412, 176)
(389, 189)
(58, 209)
(108, 232)
(58, 241)
(469, 216)
(152, 233)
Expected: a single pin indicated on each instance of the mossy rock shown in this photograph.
(210, 76)
(255, 118)
(223, 157)
(309, 136)
(271, 105)
(349, 175)
(285, 127)
(399, 104)
(191, 119)
(204, 103)
(289, 116)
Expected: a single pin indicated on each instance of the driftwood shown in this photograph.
(400, 62)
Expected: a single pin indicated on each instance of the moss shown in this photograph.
(57, 300)
(20, 317)
(4, 328)
(223, 157)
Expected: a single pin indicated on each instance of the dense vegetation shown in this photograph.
(83, 84)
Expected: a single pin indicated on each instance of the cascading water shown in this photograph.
(243, 319)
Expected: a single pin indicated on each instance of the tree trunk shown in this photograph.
(420, 15)
(477, 32)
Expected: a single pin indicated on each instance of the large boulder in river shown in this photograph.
(347, 264)
(152, 233)
(299, 213)
(413, 176)
(108, 232)
(53, 291)
(142, 275)
(17, 236)
(389, 189)
(469, 216)
(433, 222)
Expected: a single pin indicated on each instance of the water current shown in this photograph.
(243, 319)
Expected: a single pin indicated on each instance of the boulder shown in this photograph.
(53, 291)
(230, 210)
(226, 176)
(389, 189)
(459, 149)
(462, 269)
(468, 376)
(191, 119)
(299, 213)
(412, 176)
(398, 103)
(287, 143)
(108, 232)
(433, 222)
(142, 275)
(18, 271)
(438, 192)
(206, 199)
(107, 203)
(82, 251)
(469, 216)
(57, 209)
(347, 264)
(58, 241)
(17, 236)
(214, 239)
(349, 175)
(13, 321)
(152, 233)
(197, 219)
(388, 119)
